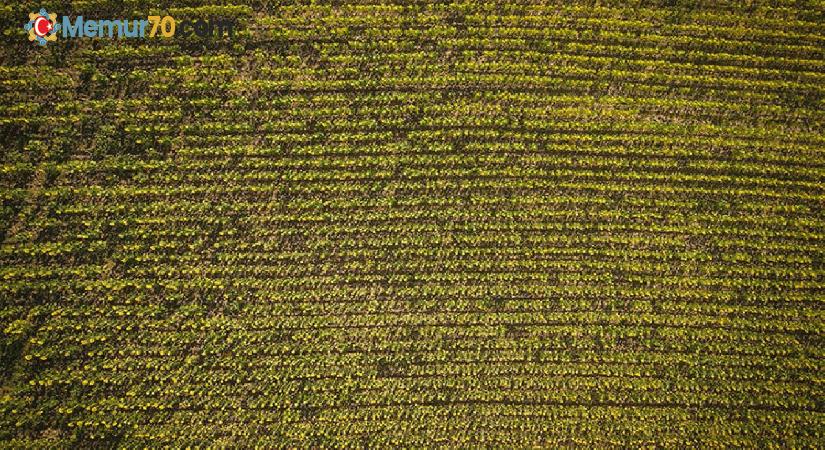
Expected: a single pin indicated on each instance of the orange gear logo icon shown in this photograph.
(42, 27)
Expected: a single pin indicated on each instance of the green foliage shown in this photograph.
(411, 224)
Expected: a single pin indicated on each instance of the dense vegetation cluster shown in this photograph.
(373, 223)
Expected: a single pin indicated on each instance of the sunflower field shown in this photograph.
(412, 224)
